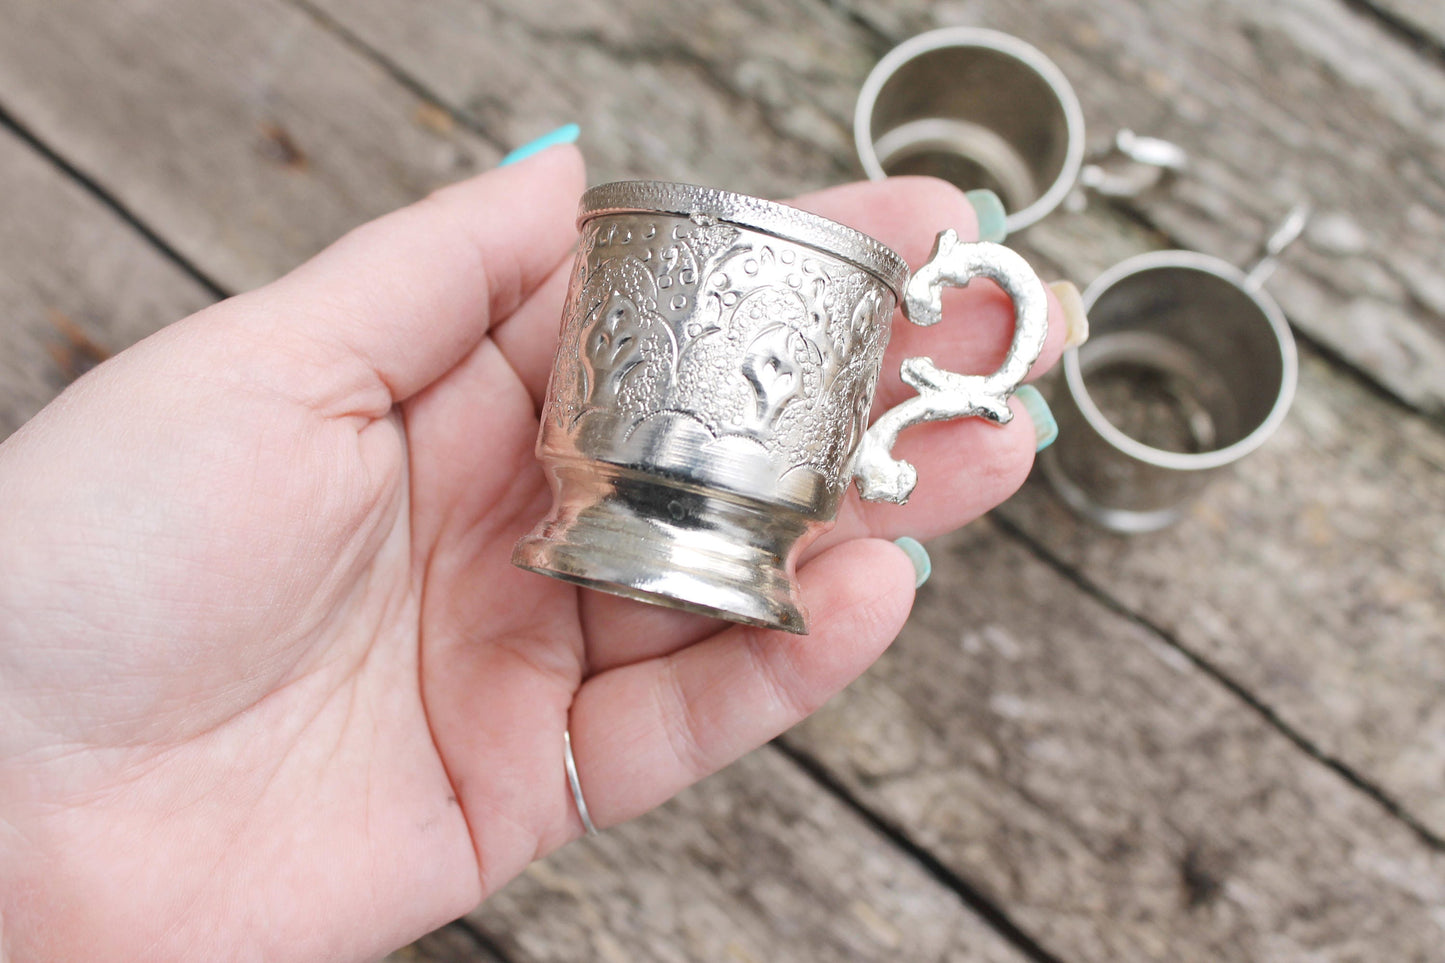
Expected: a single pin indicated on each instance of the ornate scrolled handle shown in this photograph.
(942, 394)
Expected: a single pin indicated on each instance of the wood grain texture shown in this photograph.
(245, 134)
(76, 284)
(1313, 574)
(756, 864)
(1118, 802)
(1248, 157)
(1424, 18)
(760, 98)
(307, 137)
(743, 95)
(1277, 103)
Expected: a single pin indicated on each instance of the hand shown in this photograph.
(269, 686)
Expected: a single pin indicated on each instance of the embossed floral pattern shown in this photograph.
(746, 336)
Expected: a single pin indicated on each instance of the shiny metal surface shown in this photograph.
(569, 763)
(943, 395)
(983, 109)
(742, 210)
(1131, 166)
(978, 108)
(713, 382)
(1189, 367)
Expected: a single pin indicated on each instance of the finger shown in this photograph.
(965, 468)
(978, 320)
(528, 338)
(393, 305)
(622, 631)
(905, 213)
(496, 697)
(471, 436)
(644, 732)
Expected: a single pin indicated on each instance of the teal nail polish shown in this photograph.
(918, 555)
(566, 134)
(992, 218)
(1046, 429)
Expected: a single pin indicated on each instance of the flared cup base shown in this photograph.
(633, 535)
(1127, 521)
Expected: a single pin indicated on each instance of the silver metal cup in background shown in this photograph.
(978, 108)
(984, 109)
(710, 397)
(1189, 366)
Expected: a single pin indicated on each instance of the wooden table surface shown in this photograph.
(1225, 741)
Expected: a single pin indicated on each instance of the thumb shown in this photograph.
(394, 304)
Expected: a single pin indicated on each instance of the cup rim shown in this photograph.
(995, 40)
(754, 213)
(1175, 460)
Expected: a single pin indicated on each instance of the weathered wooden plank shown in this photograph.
(1115, 800)
(1081, 247)
(1277, 103)
(76, 283)
(760, 97)
(1423, 18)
(740, 95)
(1313, 574)
(245, 134)
(755, 864)
(759, 863)
(775, 98)
(307, 138)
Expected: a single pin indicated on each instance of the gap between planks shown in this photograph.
(480, 937)
(1223, 679)
(1405, 30)
(988, 910)
(881, 40)
(463, 118)
(395, 71)
(9, 122)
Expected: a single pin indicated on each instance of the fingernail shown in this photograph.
(1076, 322)
(918, 555)
(992, 218)
(1046, 429)
(566, 134)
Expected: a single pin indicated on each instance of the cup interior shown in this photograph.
(979, 109)
(1186, 367)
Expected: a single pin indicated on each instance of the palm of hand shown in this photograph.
(274, 673)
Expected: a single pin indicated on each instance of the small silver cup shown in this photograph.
(983, 109)
(710, 397)
(1189, 366)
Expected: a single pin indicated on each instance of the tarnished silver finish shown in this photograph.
(983, 109)
(715, 373)
(1189, 367)
(943, 395)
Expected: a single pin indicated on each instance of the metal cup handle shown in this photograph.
(943, 395)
